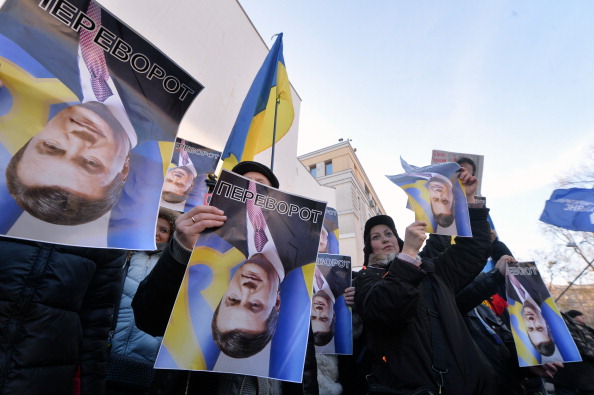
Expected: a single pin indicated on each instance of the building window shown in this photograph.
(328, 167)
(312, 170)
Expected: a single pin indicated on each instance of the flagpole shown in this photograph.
(274, 131)
(275, 115)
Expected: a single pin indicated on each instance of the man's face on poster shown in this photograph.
(536, 326)
(178, 182)
(252, 294)
(79, 149)
(322, 313)
(441, 196)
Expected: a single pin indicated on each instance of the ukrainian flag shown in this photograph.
(253, 129)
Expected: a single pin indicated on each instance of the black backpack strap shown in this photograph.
(437, 341)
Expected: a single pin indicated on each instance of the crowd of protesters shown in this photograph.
(426, 319)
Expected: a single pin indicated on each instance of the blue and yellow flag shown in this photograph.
(254, 127)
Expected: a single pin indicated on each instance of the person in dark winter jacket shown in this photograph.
(56, 309)
(156, 295)
(483, 317)
(133, 352)
(577, 378)
(403, 300)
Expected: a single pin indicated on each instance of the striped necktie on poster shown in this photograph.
(257, 219)
(94, 56)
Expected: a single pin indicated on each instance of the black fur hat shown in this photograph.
(246, 166)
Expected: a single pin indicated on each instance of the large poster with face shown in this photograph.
(245, 301)
(436, 196)
(185, 185)
(88, 114)
(331, 318)
(539, 331)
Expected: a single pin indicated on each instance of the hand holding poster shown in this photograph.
(436, 196)
(185, 185)
(245, 301)
(331, 318)
(539, 331)
(86, 105)
(471, 161)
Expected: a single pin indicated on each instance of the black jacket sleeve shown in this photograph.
(100, 301)
(465, 259)
(435, 245)
(156, 294)
(483, 286)
(499, 249)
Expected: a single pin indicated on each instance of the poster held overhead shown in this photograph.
(476, 163)
(88, 112)
(436, 196)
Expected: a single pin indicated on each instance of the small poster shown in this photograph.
(331, 318)
(438, 156)
(539, 331)
(330, 233)
(245, 301)
(185, 185)
(437, 197)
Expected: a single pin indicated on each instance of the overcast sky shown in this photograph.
(509, 80)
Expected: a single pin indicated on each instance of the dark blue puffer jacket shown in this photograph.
(56, 307)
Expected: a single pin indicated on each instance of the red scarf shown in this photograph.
(497, 304)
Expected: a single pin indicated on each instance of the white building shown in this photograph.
(337, 166)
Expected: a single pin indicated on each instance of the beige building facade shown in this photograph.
(337, 166)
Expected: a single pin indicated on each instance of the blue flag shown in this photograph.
(571, 209)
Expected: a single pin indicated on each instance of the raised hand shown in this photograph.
(414, 238)
(189, 225)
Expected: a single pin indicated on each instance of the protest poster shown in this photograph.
(539, 331)
(436, 196)
(330, 233)
(245, 301)
(438, 156)
(331, 318)
(185, 185)
(89, 111)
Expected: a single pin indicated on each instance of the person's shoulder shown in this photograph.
(369, 272)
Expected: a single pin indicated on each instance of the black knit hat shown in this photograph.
(574, 313)
(246, 166)
(371, 222)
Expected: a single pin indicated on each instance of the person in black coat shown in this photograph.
(56, 308)
(393, 298)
